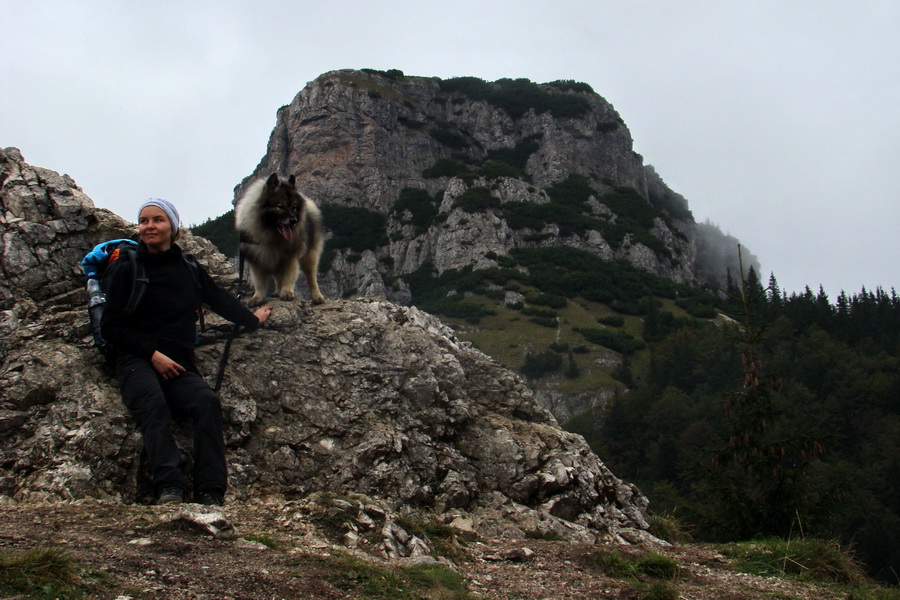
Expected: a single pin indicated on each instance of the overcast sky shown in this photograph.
(778, 121)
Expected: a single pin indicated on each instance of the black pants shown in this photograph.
(153, 403)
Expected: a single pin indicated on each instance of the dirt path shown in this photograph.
(277, 553)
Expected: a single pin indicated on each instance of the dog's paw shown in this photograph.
(286, 294)
(318, 298)
(255, 299)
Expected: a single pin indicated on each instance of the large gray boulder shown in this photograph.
(350, 397)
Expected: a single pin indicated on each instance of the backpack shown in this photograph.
(95, 264)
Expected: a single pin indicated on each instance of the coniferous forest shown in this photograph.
(786, 422)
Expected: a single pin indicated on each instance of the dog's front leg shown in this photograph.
(260, 281)
(287, 279)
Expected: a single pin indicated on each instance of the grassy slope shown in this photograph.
(507, 335)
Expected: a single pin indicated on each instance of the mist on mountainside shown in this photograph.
(720, 255)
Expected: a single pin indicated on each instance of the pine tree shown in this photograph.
(755, 298)
(824, 311)
(765, 483)
(774, 294)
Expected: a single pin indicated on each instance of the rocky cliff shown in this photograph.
(462, 171)
(358, 397)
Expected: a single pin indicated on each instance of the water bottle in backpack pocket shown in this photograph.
(96, 304)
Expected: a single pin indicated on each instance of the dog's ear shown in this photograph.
(292, 181)
(272, 182)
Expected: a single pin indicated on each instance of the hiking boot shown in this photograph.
(171, 495)
(211, 498)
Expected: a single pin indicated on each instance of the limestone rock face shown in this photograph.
(358, 138)
(348, 397)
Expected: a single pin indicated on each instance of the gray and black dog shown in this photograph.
(281, 233)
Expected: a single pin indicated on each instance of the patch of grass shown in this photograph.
(657, 566)
(611, 563)
(619, 565)
(377, 582)
(804, 558)
(669, 527)
(267, 541)
(437, 581)
(507, 336)
(873, 593)
(809, 559)
(44, 573)
(658, 590)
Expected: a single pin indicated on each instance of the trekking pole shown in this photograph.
(234, 330)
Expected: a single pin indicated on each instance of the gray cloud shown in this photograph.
(777, 121)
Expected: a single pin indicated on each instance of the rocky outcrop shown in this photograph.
(357, 397)
(362, 136)
(359, 138)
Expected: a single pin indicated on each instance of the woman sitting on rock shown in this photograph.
(155, 362)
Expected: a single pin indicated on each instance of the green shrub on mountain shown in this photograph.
(354, 228)
(448, 167)
(538, 364)
(517, 96)
(448, 137)
(421, 207)
(614, 340)
(476, 199)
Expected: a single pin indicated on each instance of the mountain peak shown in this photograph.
(518, 164)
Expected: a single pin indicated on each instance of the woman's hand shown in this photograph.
(165, 366)
(262, 313)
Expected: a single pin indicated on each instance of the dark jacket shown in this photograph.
(165, 320)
